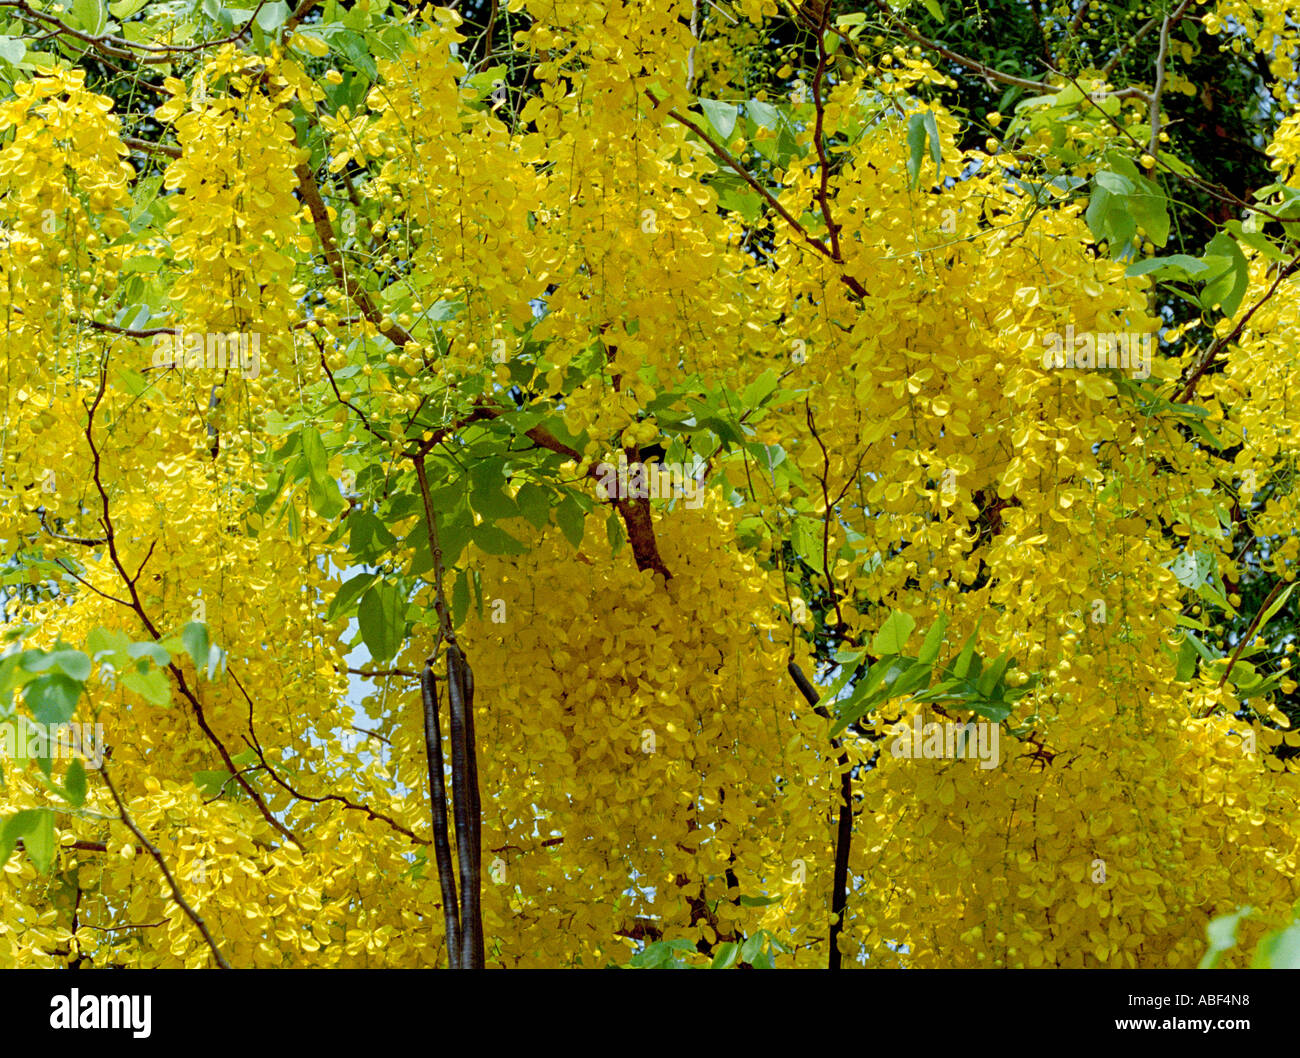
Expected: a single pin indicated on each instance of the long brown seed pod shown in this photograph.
(438, 805)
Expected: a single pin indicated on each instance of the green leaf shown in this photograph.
(488, 497)
(74, 784)
(153, 651)
(1108, 215)
(273, 15)
(353, 46)
(962, 665)
(1186, 669)
(991, 709)
(1277, 604)
(760, 389)
(726, 955)
(662, 954)
(893, 634)
(39, 840)
(195, 638)
(35, 660)
(90, 15)
(72, 663)
(348, 593)
(216, 659)
(914, 676)
(933, 641)
(1115, 183)
(496, 541)
(1175, 266)
(35, 828)
(722, 116)
(152, 685)
(214, 784)
(932, 131)
(807, 542)
(13, 829)
(1192, 568)
(326, 498)
(1280, 950)
(763, 115)
(916, 134)
(992, 676)
(534, 503)
(381, 616)
(1222, 935)
(53, 698)
(12, 49)
(873, 687)
(747, 204)
(1224, 256)
(571, 520)
(1149, 208)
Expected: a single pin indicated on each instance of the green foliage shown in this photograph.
(1277, 950)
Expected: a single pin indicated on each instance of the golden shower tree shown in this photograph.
(499, 486)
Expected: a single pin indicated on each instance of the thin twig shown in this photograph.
(844, 826)
(152, 849)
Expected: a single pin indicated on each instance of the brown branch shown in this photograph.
(256, 746)
(147, 332)
(842, 626)
(295, 20)
(376, 674)
(80, 846)
(1128, 46)
(819, 141)
(1159, 87)
(635, 513)
(59, 561)
(152, 849)
(149, 147)
(722, 152)
(1250, 630)
(372, 734)
(844, 824)
(134, 603)
(310, 193)
(1215, 191)
(120, 47)
(1219, 344)
(1077, 20)
(952, 56)
(129, 925)
(82, 541)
